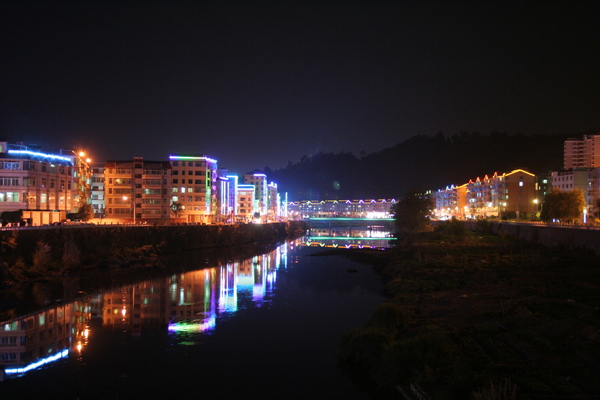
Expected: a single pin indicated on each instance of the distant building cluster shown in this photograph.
(519, 193)
(47, 186)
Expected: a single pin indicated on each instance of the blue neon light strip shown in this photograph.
(36, 154)
(39, 363)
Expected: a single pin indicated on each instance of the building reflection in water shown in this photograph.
(182, 303)
(36, 339)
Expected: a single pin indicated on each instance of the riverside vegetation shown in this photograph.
(471, 315)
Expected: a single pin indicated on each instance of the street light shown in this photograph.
(133, 203)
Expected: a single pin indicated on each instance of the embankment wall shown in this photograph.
(94, 244)
(549, 235)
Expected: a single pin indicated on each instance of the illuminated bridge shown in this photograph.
(370, 224)
(339, 209)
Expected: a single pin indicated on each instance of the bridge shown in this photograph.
(325, 224)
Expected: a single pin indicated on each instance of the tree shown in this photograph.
(412, 212)
(86, 212)
(177, 207)
(566, 206)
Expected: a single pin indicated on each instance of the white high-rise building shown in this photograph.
(582, 153)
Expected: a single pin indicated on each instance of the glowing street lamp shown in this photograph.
(125, 198)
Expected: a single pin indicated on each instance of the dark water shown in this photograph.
(266, 327)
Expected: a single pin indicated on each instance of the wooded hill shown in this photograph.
(420, 163)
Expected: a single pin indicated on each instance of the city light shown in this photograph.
(36, 154)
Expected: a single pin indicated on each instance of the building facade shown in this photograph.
(137, 191)
(510, 194)
(246, 203)
(97, 200)
(194, 180)
(261, 194)
(582, 153)
(44, 186)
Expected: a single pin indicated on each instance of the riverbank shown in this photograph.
(29, 255)
(474, 315)
(44, 266)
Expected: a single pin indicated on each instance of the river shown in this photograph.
(264, 327)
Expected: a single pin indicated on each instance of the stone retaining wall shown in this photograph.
(549, 235)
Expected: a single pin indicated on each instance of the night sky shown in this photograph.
(257, 84)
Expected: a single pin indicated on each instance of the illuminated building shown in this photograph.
(137, 191)
(194, 180)
(246, 202)
(510, 194)
(81, 178)
(451, 202)
(45, 186)
(223, 211)
(260, 194)
(232, 200)
(97, 190)
(273, 202)
(582, 153)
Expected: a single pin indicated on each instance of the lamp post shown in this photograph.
(133, 204)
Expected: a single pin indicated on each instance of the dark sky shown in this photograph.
(258, 84)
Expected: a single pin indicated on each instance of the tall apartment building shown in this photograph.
(44, 186)
(194, 180)
(582, 153)
(137, 190)
(97, 199)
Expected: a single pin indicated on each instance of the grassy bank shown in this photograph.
(476, 316)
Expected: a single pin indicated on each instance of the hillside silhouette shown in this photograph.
(419, 163)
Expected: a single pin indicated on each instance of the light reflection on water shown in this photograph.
(283, 302)
(336, 237)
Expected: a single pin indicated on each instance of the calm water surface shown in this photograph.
(263, 327)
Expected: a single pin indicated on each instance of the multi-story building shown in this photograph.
(137, 191)
(194, 180)
(232, 198)
(222, 195)
(44, 186)
(582, 153)
(246, 202)
(97, 200)
(261, 194)
(81, 179)
(570, 179)
(513, 193)
(273, 202)
(451, 202)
